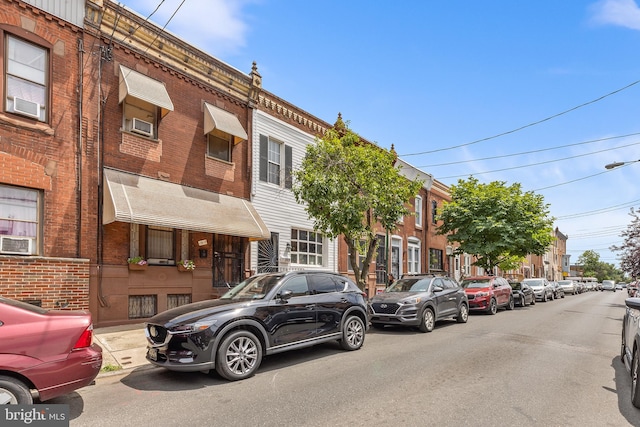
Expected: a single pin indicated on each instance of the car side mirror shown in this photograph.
(284, 296)
(437, 289)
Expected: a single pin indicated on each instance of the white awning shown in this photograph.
(144, 88)
(136, 199)
(217, 118)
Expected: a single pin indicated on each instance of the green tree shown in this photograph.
(348, 187)
(497, 224)
(593, 267)
(630, 248)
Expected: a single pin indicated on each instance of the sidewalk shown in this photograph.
(123, 348)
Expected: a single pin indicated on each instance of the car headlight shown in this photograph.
(412, 301)
(191, 328)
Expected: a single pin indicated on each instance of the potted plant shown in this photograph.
(186, 265)
(137, 263)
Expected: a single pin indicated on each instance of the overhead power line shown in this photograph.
(529, 152)
(525, 126)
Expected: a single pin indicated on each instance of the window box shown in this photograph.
(186, 265)
(138, 267)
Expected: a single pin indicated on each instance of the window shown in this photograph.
(418, 211)
(26, 78)
(160, 245)
(297, 285)
(467, 265)
(144, 101)
(19, 220)
(396, 257)
(219, 145)
(413, 257)
(306, 247)
(434, 211)
(141, 306)
(435, 259)
(322, 284)
(275, 162)
(139, 117)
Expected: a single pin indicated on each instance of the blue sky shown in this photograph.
(544, 93)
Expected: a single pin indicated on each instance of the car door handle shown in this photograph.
(310, 306)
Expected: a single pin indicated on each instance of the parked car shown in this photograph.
(608, 285)
(265, 314)
(620, 286)
(581, 288)
(630, 346)
(523, 294)
(558, 291)
(568, 286)
(419, 300)
(541, 288)
(488, 293)
(44, 353)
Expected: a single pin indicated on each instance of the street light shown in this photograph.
(618, 164)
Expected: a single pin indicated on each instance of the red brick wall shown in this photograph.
(59, 283)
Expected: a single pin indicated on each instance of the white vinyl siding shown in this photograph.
(276, 205)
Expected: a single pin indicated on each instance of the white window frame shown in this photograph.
(418, 210)
(413, 256)
(302, 242)
(275, 147)
(30, 83)
(396, 242)
(20, 212)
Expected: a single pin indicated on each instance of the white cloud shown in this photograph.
(624, 13)
(217, 27)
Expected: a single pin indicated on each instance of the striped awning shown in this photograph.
(140, 200)
(217, 118)
(144, 88)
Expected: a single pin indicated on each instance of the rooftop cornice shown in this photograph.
(131, 31)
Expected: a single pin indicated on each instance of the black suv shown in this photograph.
(266, 314)
(419, 300)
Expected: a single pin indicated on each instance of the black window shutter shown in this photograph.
(288, 179)
(264, 157)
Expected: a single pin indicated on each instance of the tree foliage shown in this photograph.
(593, 267)
(349, 186)
(630, 248)
(497, 224)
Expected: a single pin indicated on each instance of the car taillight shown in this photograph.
(85, 339)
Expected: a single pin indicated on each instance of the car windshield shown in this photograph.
(534, 282)
(256, 287)
(23, 305)
(410, 285)
(515, 286)
(565, 282)
(470, 284)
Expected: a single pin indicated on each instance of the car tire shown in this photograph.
(533, 300)
(544, 297)
(14, 392)
(463, 314)
(239, 355)
(523, 302)
(511, 303)
(352, 333)
(493, 307)
(428, 321)
(635, 384)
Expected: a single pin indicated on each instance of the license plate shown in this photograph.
(153, 354)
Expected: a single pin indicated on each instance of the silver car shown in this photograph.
(541, 288)
(569, 286)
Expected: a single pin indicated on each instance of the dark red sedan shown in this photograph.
(44, 353)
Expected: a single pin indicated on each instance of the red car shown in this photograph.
(44, 353)
(488, 293)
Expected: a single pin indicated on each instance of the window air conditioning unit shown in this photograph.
(161, 261)
(28, 108)
(17, 245)
(142, 127)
